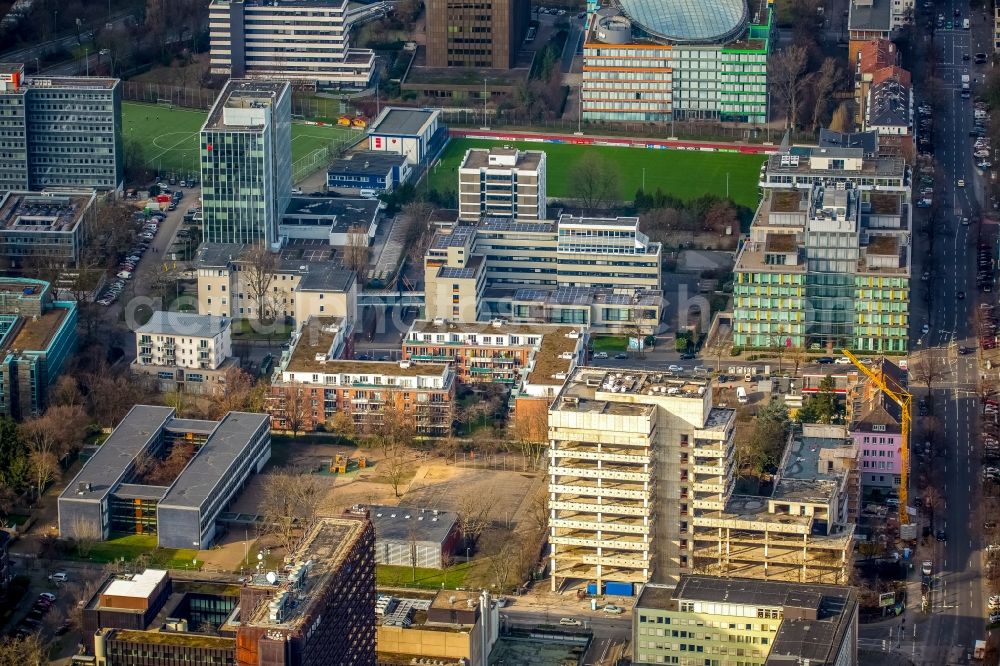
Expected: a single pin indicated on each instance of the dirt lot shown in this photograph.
(433, 484)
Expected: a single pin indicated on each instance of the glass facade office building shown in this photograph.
(61, 131)
(246, 162)
(677, 61)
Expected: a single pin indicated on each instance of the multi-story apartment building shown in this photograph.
(59, 131)
(110, 493)
(875, 19)
(37, 337)
(454, 277)
(643, 64)
(828, 260)
(307, 43)
(45, 229)
(298, 289)
(475, 35)
(494, 351)
(708, 620)
(634, 456)
(320, 610)
(246, 162)
(502, 183)
(534, 360)
(878, 434)
(311, 385)
(600, 272)
(873, 57)
(889, 112)
(185, 351)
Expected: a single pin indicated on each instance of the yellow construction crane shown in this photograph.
(903, 399)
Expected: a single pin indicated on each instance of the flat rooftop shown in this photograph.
(35, 333)
(349, 212)
(316, 342)
(555, 340)
(176, 638)
(184, 324)
(525, 160)
(326, 546)
(458, 236)
(884, 165)
(403, 523)
(227, 442)
(406, 122)
(788, 201)
(36, 211)
(886, 203)
(589, 389)
(368, 162)
(79, 82)
(887, 245)
(242, 93)
(873, 15)
(140, 426)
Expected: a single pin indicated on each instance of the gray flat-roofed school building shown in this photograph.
(109, 496)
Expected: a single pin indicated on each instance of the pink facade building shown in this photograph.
(878, 435)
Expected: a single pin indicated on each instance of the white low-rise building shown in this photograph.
(185, 350)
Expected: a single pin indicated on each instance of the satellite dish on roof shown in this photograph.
(271, 577)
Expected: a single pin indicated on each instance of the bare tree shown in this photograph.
(417, 217)
(594, 183)
(785, 75)
(356, 250)
(28, 651)
(506, 562)
(393, 429)
(721, 345)
(473, 512)
(529, 428)
(86, 533)
(927, 372)
(238, 393)
(824, 82)
(44, 469)
(289, 505)
(294, 407)
(258, 266)
(396, 464)
(66, 392)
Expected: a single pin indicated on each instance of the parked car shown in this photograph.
(843, 360)
(58, 577)
(613, 610)
(825, 360)
(569, 622)
(927, 568)
(621, 356)
(601, 355)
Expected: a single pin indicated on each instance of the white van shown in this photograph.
(368, 194)
(741, 395)
(965, 24)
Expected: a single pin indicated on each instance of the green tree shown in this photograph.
(823, 407)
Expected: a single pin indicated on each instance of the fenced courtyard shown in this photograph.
(168, 139)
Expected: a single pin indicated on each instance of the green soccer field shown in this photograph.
(681, 173)
(169, 137)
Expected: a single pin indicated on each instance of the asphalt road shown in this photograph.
(946, 635)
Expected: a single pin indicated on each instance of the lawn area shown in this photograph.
(170, 136)
(682, 173)
(452, 577)
(609, 343)
(245, 329)
(132, 546)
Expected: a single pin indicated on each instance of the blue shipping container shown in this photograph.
(592, 588)
(618, 589)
